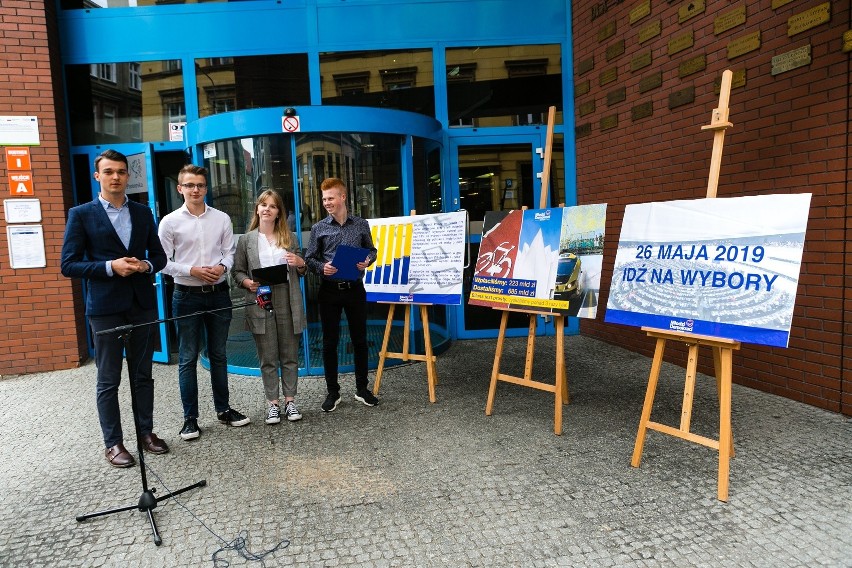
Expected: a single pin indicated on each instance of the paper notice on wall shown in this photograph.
(26, 246)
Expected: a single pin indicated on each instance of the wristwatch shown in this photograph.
(225, 267)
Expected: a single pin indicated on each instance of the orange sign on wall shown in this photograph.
(21, 183)
(18, 159)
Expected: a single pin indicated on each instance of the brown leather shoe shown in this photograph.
(153, 444)
(118, 456)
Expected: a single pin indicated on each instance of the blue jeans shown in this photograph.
(190, 331)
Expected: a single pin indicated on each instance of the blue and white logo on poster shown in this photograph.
(720, 267)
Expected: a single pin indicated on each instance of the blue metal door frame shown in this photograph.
(161, 355)
(534, 140)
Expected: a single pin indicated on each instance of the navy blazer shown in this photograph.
(91, 240)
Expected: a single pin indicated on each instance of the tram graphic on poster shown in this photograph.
(723, 267)
(541, 260)
(420, 259)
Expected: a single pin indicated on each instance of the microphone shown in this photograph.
(264, 297)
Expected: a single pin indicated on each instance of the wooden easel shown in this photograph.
(560, 385)
(722, 348)
(406, 355)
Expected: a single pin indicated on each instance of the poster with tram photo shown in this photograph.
(541, 260)
(719, 267)
(420, 259)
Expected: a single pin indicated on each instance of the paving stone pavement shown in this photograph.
(410, 483)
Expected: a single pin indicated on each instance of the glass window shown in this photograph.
(557, 172)
(369, 165)
(108, 119)
(135, 78)
(111, 102)
(104, 71)
(238, 83)
(399, 79)
(503, 86)
(426, 163)
(176, 111)
(136, 125)
(496, 177)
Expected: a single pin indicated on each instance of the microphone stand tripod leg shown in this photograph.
(147, 501)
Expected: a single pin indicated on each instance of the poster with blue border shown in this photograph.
(420, 259)
(724, 267)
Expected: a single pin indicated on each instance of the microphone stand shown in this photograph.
(147, 501)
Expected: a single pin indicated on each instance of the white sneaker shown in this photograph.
(291, 412)
(273, 415)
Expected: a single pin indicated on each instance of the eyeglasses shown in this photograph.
(191, 186)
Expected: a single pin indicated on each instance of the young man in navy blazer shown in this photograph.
(112, 242)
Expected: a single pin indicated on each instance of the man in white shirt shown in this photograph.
(199, 245)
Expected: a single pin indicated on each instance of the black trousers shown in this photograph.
(333, 302)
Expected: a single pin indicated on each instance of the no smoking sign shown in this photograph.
(290, 124)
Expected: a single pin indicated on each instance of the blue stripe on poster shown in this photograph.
(406, 262)
(756, 335)
(442, 299)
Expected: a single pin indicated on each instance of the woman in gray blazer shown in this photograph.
(276, 333)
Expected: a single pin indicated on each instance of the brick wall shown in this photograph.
(791, 134)
(39, 327)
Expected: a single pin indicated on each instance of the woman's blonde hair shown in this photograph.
(283, 236)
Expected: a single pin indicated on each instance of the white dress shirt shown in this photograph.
(190, 240)
(269, 254)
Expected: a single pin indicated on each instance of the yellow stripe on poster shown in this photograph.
(537, 302)
(374, 232)
(398, 242)
(388, 240)
(409, 232)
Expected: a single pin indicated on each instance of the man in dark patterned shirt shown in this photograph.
(337, 296)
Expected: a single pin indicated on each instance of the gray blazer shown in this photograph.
(247, 259)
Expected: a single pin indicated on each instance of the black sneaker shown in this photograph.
(232, 418)
(366, 397)
(190, 430)
(331, 402)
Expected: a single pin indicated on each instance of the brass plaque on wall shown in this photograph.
(847, 41)
(681, 97)
(729, 20)
(641, 60)
(616, 96)
(606, 31)
(693, 65)
(586, 65)
(650, 31)
(608, 122)
(737, 81)
(791, 60)
(690, 10)
(608, 75)
(587, 107)
(583, 130)
(808, 19)
(642, 111)
(743, 45)
(651, 81)
(582, 88)
(639, 11)
(778, 3)
(681, 42)
(615, 50)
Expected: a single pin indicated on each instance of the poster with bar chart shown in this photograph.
(420, 259)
